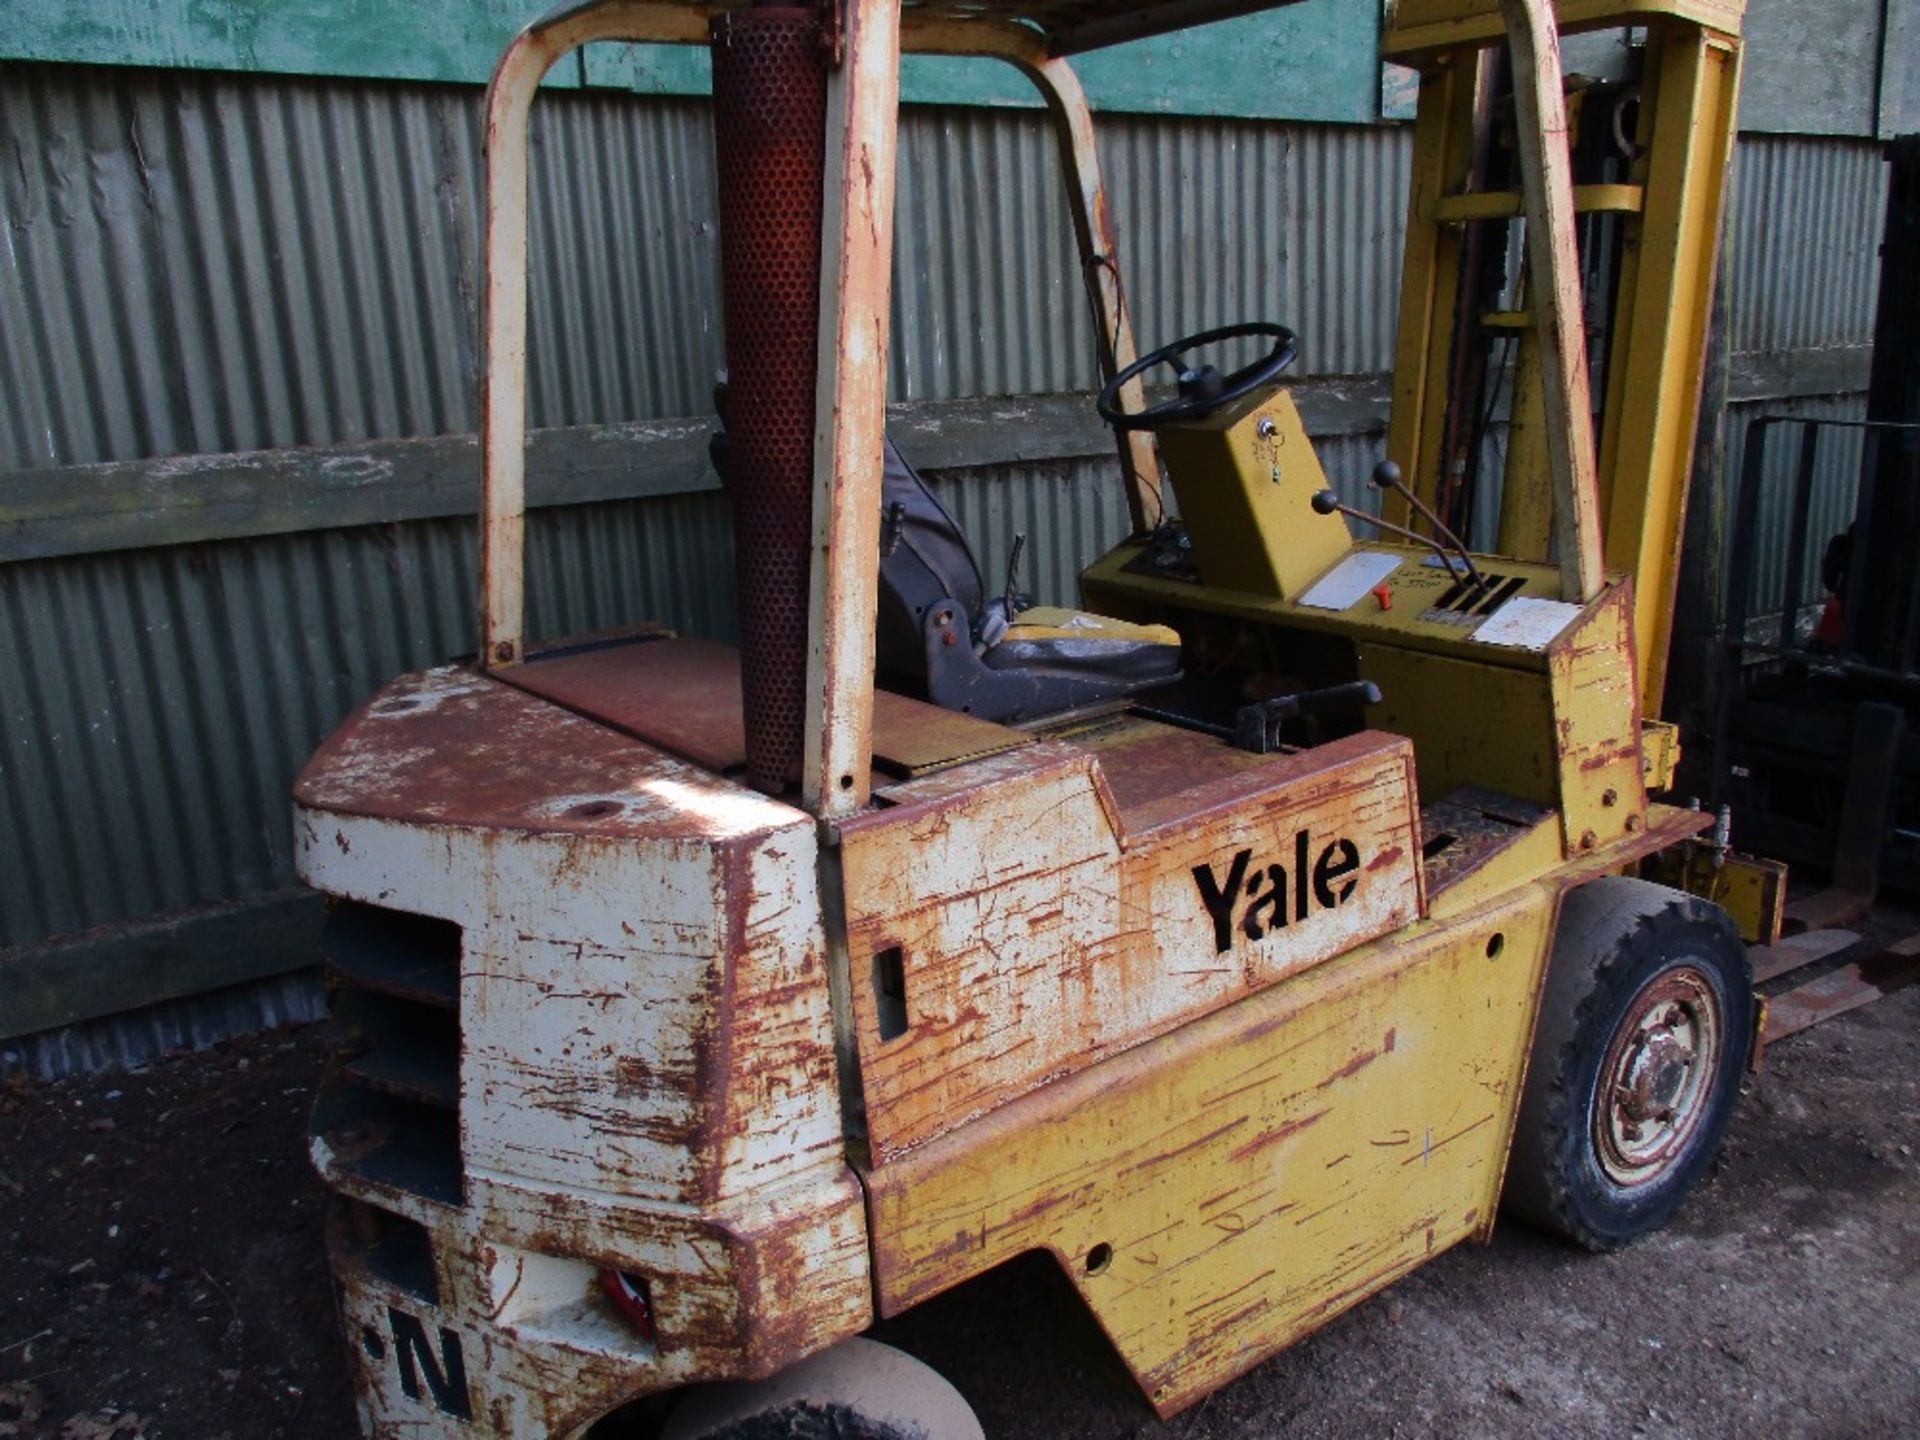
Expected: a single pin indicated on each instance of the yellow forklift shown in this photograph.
(1242, 940)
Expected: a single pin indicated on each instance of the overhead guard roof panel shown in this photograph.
(1421, 28)
(1069, 26)
(1074, 26)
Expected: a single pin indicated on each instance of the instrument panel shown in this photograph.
(1380, 592)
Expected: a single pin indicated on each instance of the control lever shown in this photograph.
(1386, 475)
(1328, 503)
(1257, 727)
(1013, 574)
(998, 615)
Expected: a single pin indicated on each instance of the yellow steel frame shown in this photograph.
(1673, 207)
(1666, 290)
(1423, 29)
(1231, 1186)
(856, 283)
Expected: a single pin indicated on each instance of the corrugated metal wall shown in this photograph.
(203, 263)
(155, 705)
(207, 263)
(1806, 220)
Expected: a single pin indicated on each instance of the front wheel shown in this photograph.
(1646, 1025)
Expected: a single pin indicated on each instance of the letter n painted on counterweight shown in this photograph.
(446, 1374)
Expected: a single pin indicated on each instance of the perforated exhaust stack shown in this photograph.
(770, 102)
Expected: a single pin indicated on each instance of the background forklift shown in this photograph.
(1242, 941)
(1813, 753)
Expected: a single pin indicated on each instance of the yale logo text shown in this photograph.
(1270, 895)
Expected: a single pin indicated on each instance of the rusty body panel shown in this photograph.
(1223, 1190)
(562, 891)
(1230, 1186)
(1473, 830)
(1596, 719)
(1027, 952)
(540, 1353)
(622, 685)
(645, 1069)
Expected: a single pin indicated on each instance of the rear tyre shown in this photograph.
(1646, 1026)
(858, 1390)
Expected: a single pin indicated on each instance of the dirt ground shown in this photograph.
(161, 1276)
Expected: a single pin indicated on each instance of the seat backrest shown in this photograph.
(924, 561)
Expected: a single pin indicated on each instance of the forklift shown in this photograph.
(1241, 940)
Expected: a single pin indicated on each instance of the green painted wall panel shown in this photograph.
(377, 39)
(1313, 61)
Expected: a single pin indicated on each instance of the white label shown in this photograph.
(1352, 578)
(1527, 624)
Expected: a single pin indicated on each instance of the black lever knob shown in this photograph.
(1387, 475)
(1325, 503)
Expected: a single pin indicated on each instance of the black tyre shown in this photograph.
(1646, 1026)
(858, 1390)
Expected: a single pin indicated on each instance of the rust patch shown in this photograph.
(1278, 1134)
(1386, 860)
(622, 684)
(1023, 905)
(1358, 1063)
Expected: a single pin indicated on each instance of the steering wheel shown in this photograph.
(1203, 389)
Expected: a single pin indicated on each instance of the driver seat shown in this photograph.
(938, 635)
(1003, 658)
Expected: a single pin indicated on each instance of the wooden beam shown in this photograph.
(193, 499)
(1799, 374)
(74, 978)
(200, 499)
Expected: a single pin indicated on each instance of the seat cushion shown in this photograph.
(1050, 638)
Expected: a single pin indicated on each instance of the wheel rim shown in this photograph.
(1657, 1078)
